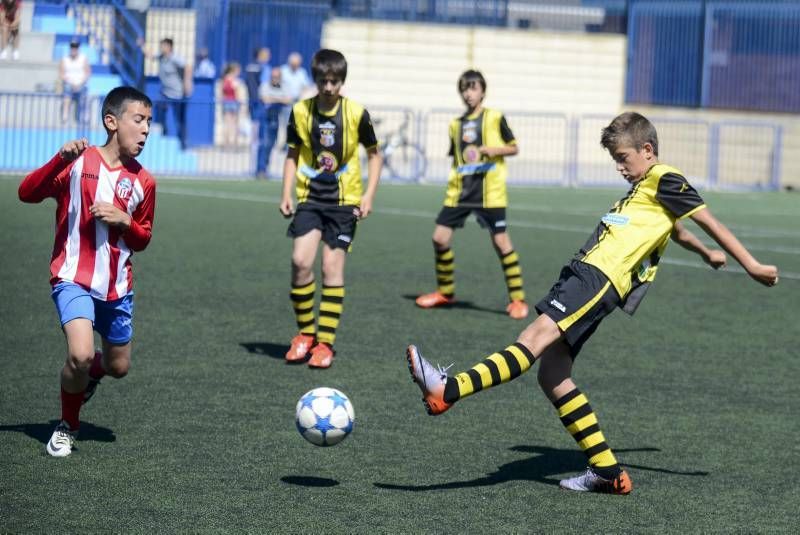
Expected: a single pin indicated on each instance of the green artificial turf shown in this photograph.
(697, 393)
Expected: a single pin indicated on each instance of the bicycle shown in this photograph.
(404, 160)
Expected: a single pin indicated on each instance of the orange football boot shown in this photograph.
(434, 299)
(517, 309)
(301, 344)
(321, 356)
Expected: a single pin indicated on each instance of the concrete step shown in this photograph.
(35, 47)
(28, 75)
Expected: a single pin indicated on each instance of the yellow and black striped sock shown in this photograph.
(513, 273)
(445, 272)
(303, 303)
(495, 369)
(581, 422)
(330, 310)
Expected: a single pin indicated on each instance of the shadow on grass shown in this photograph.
(309, 481)
(275, 351)
(546, 463)
(42, 432)
(464, 305)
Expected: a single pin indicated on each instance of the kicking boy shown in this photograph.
(479, 142)
(104, 211)
(323, 136)
(614, 269)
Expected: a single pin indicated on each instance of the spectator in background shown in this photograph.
(294, 78)
(10, 17)
(175, 75)
(74, 71)
(297, 84)
(253, 77)
(231, 89)
(275, 100)
(205, 67)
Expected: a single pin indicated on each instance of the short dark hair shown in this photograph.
(470, 77)
(116, 102)
(169, 41)
(327, 61)
(632, 129)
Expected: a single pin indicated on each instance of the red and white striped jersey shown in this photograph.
(87, 251)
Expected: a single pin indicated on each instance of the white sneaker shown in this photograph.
(15, 55)
(61, 442)
(591, 482)
(4, 54)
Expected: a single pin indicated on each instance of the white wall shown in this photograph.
(417, 65)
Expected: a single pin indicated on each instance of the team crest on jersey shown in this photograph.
(327, 161)
(471, 154)
(469, 132)
(124, 188)
(327, 134)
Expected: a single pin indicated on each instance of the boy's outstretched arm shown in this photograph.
(289, 169)
(43, 182)
(374, 165)
(686, 239)
(764, 273)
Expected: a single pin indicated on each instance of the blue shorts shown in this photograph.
(230, 106)
(111, 319)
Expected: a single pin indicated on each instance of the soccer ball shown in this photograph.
(324, 416)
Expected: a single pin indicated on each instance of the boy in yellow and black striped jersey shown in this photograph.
(479, 142)
(613, 269)
(323, 135)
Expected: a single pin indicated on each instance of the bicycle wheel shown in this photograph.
(406, 163)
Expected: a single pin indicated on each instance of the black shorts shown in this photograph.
(578, 302)
(337, 223)
(492, 218)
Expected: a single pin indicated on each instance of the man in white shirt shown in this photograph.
(297, 84)
(74, 71)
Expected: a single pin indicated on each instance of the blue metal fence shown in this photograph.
(664, 46)
(751, 58)
(739, 55)
(233, 29)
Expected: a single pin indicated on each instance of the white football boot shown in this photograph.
(61, 442)
(591, 482)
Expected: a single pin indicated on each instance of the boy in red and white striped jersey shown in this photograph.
(105, 203)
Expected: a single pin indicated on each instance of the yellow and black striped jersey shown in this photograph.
(476, 180)
(328, 168)
(631, 238)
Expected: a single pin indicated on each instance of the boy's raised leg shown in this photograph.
(96, 372)
(440, 391)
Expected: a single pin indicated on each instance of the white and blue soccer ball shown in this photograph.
(324, 416)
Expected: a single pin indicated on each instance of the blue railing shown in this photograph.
(119, 42)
